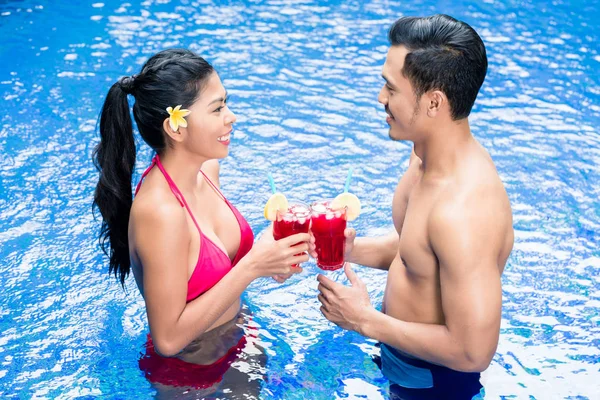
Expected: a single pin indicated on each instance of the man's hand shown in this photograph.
(350, 234)
(347, 307)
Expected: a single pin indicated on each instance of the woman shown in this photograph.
(190, 250)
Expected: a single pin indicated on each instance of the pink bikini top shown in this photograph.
(213, 263)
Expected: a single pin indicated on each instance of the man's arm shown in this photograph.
(379, 252)
(375, 252)
(467, 245)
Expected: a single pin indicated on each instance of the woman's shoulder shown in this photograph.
(157, 224)
(156, 205)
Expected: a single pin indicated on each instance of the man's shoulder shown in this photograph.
(480, 196)
(472, 212)
(471, 217)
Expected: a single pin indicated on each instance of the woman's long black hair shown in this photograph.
(169, 78)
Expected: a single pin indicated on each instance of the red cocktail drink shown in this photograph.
(296, 219)
(328, 227)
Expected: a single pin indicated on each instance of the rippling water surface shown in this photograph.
(304, 77)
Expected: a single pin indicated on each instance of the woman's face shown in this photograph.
(210, 123)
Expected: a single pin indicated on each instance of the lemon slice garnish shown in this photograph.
(275, 202)
(350, 201)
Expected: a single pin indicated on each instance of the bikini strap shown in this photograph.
(146, 172)
(174, 189)
(177, 193)
(214, 186)
(171, 184)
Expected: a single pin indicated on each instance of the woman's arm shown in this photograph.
(162, 244)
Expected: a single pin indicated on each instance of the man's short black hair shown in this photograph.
(444, 54)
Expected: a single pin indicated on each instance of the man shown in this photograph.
(440, 321)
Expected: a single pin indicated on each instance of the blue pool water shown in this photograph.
(304, 77)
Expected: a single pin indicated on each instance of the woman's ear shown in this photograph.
(175, 135)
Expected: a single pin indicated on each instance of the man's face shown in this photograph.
(398, 97)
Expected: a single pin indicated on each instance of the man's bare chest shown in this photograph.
(415, 250)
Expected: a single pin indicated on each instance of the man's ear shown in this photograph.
(174, 135)
(436, 101)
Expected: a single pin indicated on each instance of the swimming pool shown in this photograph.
(304, 78)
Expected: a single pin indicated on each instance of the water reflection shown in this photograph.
(304, 79)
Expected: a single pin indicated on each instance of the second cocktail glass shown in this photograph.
(328, 227)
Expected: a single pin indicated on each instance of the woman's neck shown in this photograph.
(183, 168)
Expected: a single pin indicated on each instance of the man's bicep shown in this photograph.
(472, 303)
(470, 285)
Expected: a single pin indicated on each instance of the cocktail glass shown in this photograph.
(296, 219)
(328, 227)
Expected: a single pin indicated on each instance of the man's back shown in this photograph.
(470, 189)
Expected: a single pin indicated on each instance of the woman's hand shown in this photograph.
(280, 278)
(270, 257)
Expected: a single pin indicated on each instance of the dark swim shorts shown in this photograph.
(414, 379)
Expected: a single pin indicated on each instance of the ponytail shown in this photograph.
(114, 157)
